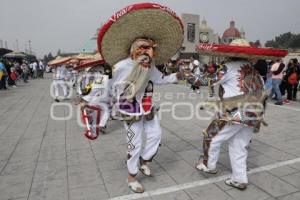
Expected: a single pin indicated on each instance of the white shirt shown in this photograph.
(60, 73)
(230, 80)
(34, 66)
(192, 64)
(123, 69)
(41, 65)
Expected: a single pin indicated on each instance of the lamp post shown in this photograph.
(17, 41)
(29, 43)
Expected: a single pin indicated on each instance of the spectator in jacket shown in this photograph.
(277, 70)
(292, 79)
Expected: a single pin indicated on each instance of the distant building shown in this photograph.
(232, 33)
(195, 32)
(207, 34)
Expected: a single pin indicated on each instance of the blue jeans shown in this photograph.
(275, 89)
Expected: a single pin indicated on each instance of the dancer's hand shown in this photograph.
(183, 74)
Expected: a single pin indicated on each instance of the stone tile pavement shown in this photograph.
(46, 159)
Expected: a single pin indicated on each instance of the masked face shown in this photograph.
(142, 51)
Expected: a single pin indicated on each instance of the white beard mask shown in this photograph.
(137, 80)
(139, 76)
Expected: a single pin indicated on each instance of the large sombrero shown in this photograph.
(59, 61)
(143, 20)
(240, 48)
(90, 63)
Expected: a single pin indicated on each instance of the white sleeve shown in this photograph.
(159, 79)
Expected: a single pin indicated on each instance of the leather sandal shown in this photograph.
(203, 168)
(235, 184)
(135, 186)
(146, 170)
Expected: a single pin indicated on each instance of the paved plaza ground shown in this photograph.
(42, 158)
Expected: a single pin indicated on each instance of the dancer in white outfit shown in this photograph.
(153, 35)
(59, 81)
(59, 76)
(99, 96)
(241, 108)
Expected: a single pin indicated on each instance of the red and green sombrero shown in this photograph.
(143, 20)
(240, 48)
(59, 61)
(89, 63)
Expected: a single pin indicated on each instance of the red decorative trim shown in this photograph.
(219, 48)
(127, 10)
(89, 63)
(84, 118)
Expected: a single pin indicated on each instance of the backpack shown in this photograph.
(13, 76)
(293, 78)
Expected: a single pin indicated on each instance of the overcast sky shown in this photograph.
(68, 24)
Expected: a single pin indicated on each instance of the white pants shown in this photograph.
(69, 87)
(57, 84)
(105, 114)
(238, 137)
(152, 131)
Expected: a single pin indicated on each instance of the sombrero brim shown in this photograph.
(90, 63)
(73, 61)
(59, 61)
(240, 51)
(144, 20)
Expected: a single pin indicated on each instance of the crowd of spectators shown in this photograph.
(13, 71)
(284, 81)
(281, 79)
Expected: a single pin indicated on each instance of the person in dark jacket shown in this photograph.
(262, 67)
(292, 79)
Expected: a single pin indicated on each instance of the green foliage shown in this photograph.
(285, 40)
(48, 57)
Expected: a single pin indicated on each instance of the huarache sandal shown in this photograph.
(145, 170)
(203, 168)
(232, 183)
(135, 186)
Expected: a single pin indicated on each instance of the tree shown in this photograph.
(48, 57)
(257, 43)
(285, 40)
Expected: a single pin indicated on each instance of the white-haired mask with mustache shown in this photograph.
(142, 53)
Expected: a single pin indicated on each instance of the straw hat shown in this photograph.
(89, 63)
(59, 61)
(143, 20)
(240, 48)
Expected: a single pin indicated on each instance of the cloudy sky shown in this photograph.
(68, 24)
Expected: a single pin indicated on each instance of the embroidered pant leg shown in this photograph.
(134, 145)
(215, 145)
(153, 135)
(238, 153)
(105, 113)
